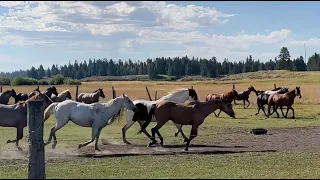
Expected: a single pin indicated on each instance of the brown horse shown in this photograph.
(229, 96)
(287, 99)
(15, 115)
(90, 98)
(244, 96)
(179, 113)
(62, 96)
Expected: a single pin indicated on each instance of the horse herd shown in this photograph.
(182, 106)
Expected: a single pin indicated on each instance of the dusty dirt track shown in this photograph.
(277, 140)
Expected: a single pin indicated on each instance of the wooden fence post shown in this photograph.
(155, 96)
(38, 87)
(1, 89)
(234, 87)
(191, 87)
(275, 86)
(77, 92)
(148, 93)
(113, 93)
(36, 166)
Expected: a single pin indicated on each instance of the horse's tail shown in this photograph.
(118, 116)
(147, 122)
(49, 110)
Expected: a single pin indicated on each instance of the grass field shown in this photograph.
(215, 131)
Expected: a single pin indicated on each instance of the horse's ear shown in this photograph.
(123, 95)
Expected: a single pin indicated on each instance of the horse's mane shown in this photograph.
(173, 92)
(96, 90)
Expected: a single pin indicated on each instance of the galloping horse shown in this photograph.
(144, 106)
(49, 91)
(90, 98)
(230, 96)
(286, 99)
(15, 115)
(94, 115)
(62, 96)
(185, 115)
(245, 96)
(5, 96)
(262, 98)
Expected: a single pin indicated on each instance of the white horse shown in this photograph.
(94, 115)
(144, 106)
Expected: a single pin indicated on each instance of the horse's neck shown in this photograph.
(113, 107)
(292, 95)
(96, 94)
(206, 108)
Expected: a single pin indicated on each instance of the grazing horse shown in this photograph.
(90, 98)
(20, 97)
(94, 115)
(144, 106)
(230, 96)
(62, 96)
(286, 99)
(15, 115)
(5, 96)
(186, 115)
(262, 98)
(244, 96)
(49, 91)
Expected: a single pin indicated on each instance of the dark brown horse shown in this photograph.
(287, 99)
(15, 115)
(229, 96)
(179, 113)
(90, 98)
(244, 96)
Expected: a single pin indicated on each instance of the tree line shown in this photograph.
(177, 66)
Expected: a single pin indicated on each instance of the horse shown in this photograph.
(244, 95)
(62, 96)
(186, 115)
(49, 91)
(20, 97)
(95, 115)
(90, 98)
(286, 99)
(15, 115)
(262, 98)
(230, 96)
(5, 96)
(178, 95)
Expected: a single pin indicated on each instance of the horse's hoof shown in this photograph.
(53, 146)
(8, 141)
(161, 144)
(150, 144)
(80, 146)
(19, 148)
(97, 149)
(46, 143)
(186, 149)
(127, 142)
(176, 134)
(185, 140)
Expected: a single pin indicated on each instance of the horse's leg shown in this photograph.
(180, 130)
(275, 110)
(193, 134)
(97, 140)
(248, 102)
(263, 109)
(292, 112)
(282, 111)
(155, 130)
(244, 104)
(219, 112)
(215, 114)
(176, 134)
(95, 131)
(19, 137)
(124, 130)
(54, 129)
(144, 131)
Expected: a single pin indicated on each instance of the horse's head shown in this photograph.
(193, 95)
(298, 92)
(54, 90)
(128, 104)
(226, 107)
(101, 93)
(13, 93)
(68, 94)
(251, 88)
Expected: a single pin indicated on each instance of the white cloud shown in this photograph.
(132, 27)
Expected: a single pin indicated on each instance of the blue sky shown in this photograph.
(34, 33)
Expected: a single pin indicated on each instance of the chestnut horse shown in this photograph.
(287, 99)
(229, 96)
(62, 96)
(90, 98)
(185, 115)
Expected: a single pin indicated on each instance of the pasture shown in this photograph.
(222, 149)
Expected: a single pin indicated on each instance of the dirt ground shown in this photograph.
(276, 140)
